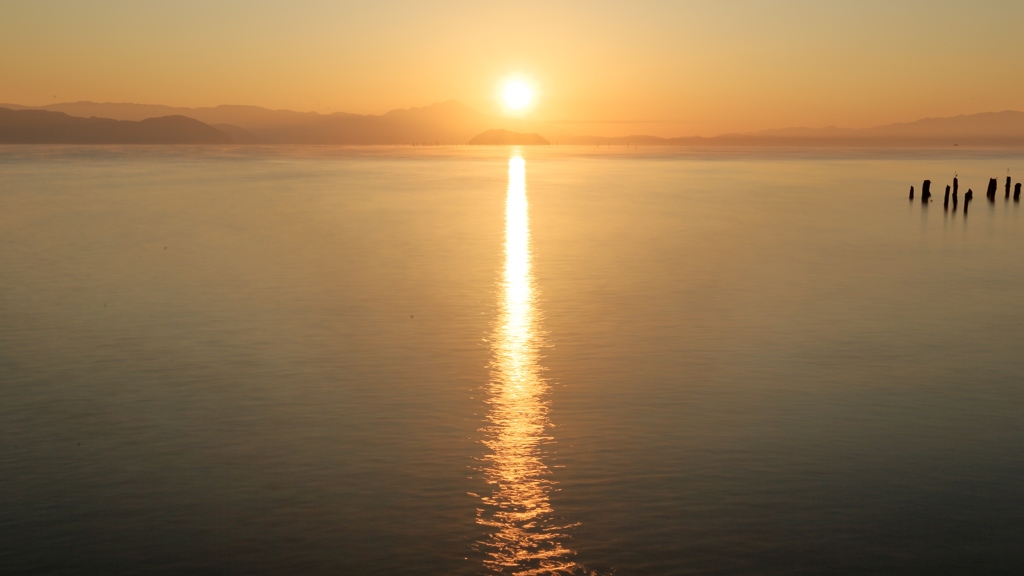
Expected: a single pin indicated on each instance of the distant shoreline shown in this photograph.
(445, 124)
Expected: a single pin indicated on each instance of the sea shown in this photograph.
(498, 360)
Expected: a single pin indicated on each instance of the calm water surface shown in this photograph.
(501, 361)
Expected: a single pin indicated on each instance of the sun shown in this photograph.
(517, 95)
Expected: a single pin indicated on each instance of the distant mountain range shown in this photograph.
(45, 127)
(444, 123)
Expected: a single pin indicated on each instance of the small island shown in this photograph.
(507, 137)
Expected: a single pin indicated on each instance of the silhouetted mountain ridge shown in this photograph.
(454, 123)
(444, 122)
(45, 127)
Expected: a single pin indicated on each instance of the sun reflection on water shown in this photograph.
(525, 537)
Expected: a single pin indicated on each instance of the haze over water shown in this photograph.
(465, 361)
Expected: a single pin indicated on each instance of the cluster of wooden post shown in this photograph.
(993, 184)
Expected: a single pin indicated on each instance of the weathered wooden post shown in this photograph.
(1007, 187)
(1016, 192)
(954, 199)
(991, 192)
(911, 192)
(926, 191)
(945, 201)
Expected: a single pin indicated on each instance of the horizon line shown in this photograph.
(760, 133)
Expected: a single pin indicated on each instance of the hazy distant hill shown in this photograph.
(239, 135)
(992, 128)
(447, 122)
(225, 114)
(44, 127)
(454, 123)
(505, 137)
(986, 129)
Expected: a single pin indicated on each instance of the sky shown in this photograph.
(670, 68)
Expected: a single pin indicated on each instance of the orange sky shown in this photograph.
(658, 67)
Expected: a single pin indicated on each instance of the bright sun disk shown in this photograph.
(517, 95)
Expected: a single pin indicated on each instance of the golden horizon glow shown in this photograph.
(605, 68)
(525, 538)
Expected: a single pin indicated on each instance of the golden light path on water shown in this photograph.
(526, 538)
